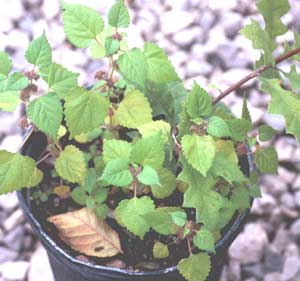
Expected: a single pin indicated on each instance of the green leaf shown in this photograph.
(179, 218)
(245, 111)
(81, 24)
(79, 196)
(227, 147)
(284, 103)
(153, 127)
(134, 110)
(59, 79)
(118, 15)
(294, 78)
(115, 149)
(89, 136)
(130, 213)
(160, 251)
(39, 52)
(160, 69)
(260, 40)
(199, 103)
(272, 12)
(117, 173)
(133, 67)
(266, 133)
(90, 180)
(46, 113)
(230, 171)
(196, 267)
(148, 176)
(70, 165)
(6, 63)
(17, 171)
(217, 127)
(85, 111)
(267, 160)
(149, 151)
(240, 198)
(112, 46)
(199, 151)
(239, 129)
(204, 240)
(101, 211)
(167, 185)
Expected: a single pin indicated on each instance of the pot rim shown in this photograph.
(54, 248)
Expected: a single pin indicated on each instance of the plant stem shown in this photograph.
(189, 245)
(43, 159)
(255, 74)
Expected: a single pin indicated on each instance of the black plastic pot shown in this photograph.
(67, 268)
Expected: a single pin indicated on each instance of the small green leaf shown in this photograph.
(153, 127)
(196, 267)
(149, 151)
(239, 129)
(46, 113)
(59, 79)
(134, 110)
(79, 196)
(115, 149)
(70, 165)
(160, 251)
(148, 176)
(6, 63)
(89, 136)
(245, 111)
(90, 180)
(179, 218)
(240, 198)
(81, 24)
(130, 213)
(266, 133)
(17, 172)
(85, 111)
(267, 160)
(39, 52)
(117, 173)
(217, 127)
(294, 78)
(167, 184)
(133, 67)
(204, 240)
(112, 46)
(118, 15)
(199, 151)
(101, 211)
(199, 103)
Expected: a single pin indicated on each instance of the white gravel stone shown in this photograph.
(273, 276)
(263, 205)
(186, 37)
(17, 39)
(8, 202)
(11, 8)
(15, 218)
(50, 8)
(291, 268)
(220, 5)
(174, 21)
(11, 143)
(14, 271)
(288, 200)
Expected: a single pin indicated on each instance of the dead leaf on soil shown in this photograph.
(84, 232)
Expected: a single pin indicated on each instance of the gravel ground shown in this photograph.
(202, 39)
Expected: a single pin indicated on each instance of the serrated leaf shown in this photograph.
(89, 136)
(160, 69)
(245, 111)
(70, 165)
(240, 198)
(133, 67)
(118, 15)
(185, 123)
(130, 213)
(266, 160)
(115, 149)
(85, 111)
(160, 250)
(87, 234)
(17, 171)
(46, 113)
(112, 46)
(167, 185)
(117, 173)
(81, 24)
(284, 103)
(217, 127)
(6, 63)
(294, 78)
(149, 151)
(90, 180)
(179, 218)
(196, 267)
(79, 195)
(153, 127)
(39, 52)
(239, 129)
(266, 133)
(272, 12)
(59, 79)
(260, 40)
(199, 151)
(199, 103)
(204, 240)
(134, 110)
(148, 176)
(227, 147)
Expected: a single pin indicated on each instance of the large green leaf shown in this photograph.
(17, 171)
(267, 160)
(46, 114)
(167, 185)
(266, 133)
(204, 240)
(39, 52)
(118, 15)
(6, 63)
(114, 149)
(81, 24)
(130, 213)
(154, 127)
(85, 111)
(217, 127)
(71, 165)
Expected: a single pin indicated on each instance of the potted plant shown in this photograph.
(136, 178)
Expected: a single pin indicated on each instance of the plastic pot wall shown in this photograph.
(67, 268)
